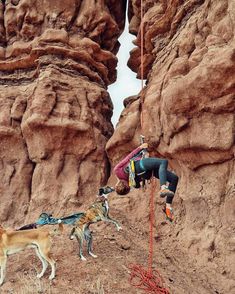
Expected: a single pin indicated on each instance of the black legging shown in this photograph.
(158, 168)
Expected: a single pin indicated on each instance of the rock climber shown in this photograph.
(143, 169)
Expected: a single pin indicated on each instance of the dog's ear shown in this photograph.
(111, 189)
(45, 215)
(101, 191)
(108, 190)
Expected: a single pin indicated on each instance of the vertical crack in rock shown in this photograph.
(2, 25)
(31, 183)
(75, 15)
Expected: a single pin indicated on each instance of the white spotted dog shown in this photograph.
(14, 241)
(98, 211)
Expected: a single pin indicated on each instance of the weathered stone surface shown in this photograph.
(56, 60)
(187, 113)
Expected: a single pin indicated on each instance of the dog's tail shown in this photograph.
(58, 230)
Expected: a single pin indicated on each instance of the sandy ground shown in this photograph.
(109, 273)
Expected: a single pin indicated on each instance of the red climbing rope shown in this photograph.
(148, 280)
(141, 45)
(151, 223)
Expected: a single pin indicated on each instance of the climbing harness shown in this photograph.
(149, 279)
(141, 164)
(131, 169)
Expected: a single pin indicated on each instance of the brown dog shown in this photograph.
(14, 241)
(98, 211)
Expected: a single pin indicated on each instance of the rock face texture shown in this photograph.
(56, 60)
(187, 109)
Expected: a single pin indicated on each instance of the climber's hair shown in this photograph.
(122, 188)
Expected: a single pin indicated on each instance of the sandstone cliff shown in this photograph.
(56, 60)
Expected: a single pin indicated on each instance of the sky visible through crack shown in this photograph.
(127, 84)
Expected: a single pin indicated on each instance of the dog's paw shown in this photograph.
(71, 237)
(93, 255)
(83, 258)
(51, 277)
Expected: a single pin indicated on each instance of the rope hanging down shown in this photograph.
(141, 45)
(148, 280)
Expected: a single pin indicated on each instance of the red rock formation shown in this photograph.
(187, 108)
(56, 60)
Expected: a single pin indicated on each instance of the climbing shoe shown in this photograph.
(165, 192)
(169, 213)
